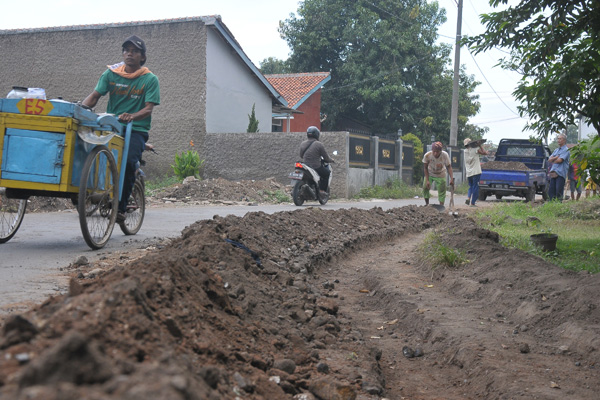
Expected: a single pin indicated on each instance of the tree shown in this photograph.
(587, 154)
(555, 45)
(418, 155)
(252, 121)
(387, 70)
(273, 65)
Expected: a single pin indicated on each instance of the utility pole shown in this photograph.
(454, 112)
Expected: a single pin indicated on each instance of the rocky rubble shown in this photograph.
(229, 310)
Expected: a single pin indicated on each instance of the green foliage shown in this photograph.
(187, 164)
(577, 224)
(393, 189)
(252, 121)
(587, 152)
(161, 182)
(276, 196)
(418, 153)
(463, 188)
(437, 253)
(272, 65)
(554, 45)
(387, 69)
(158, 184)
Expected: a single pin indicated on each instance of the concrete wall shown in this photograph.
(67, 62)
(238, 156)
(359, 178)
(242, 156)
(232, 90)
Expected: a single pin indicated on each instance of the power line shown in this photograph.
(494, 121)
(490, 85)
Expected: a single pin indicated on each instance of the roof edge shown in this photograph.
(313, 90)
(224, 31)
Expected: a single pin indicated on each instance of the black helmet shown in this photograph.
(313, 132)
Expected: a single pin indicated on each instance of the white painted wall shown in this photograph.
(231, 90)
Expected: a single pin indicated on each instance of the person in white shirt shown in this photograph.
(473, 149)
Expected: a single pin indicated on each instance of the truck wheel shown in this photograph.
(482, 195)
(498, 197)
(530, 195)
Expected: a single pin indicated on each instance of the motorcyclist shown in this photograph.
(311, 152)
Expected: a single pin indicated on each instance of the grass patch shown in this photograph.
(157, 184)
(397, 189)
(438, 254)
(275, 196)
(463, 188)
(577, 224)
(392, 189)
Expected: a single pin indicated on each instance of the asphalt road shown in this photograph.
(31, 262)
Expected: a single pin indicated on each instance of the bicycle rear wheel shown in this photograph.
(136, 208)
(11, 215)
(98, 197)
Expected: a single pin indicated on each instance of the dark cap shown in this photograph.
(137, 42)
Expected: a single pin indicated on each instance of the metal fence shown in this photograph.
(359, 152)
(387, 154)
(362, 149)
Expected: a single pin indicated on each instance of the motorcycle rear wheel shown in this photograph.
(296, 195)
(324, 201)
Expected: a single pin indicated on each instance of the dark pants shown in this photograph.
(473, 192)
(557, 188)
(136, 147)
(324, 173)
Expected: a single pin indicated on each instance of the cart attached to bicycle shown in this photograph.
(56, 148)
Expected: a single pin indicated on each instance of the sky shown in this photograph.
(254, 24)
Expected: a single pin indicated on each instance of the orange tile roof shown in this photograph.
(294, 87)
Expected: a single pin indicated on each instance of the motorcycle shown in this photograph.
(307, 180)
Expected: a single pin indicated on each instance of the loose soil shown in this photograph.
(505, 165)
(312, 304)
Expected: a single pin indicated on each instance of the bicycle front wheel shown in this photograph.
(98, 197)
(11, 215)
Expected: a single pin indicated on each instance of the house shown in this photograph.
(208, 84)
(303, 95)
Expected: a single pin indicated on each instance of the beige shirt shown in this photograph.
(472, 163)
(437, 166)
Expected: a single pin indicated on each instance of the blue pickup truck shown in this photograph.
(516, 181)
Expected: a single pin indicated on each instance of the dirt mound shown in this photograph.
(221, 190)
(310, 304)
(505, 165)
(223, 309)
